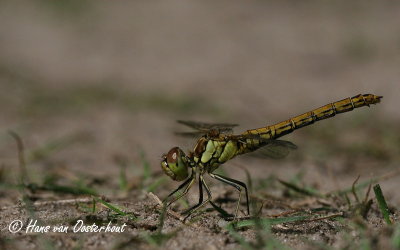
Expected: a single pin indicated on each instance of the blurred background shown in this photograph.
(85, 81)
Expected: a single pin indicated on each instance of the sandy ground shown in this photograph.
(84, 83)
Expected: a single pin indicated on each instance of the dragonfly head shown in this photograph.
(175, 165)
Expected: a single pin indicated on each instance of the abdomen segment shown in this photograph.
(324, 112)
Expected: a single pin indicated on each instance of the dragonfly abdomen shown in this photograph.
(324, 112)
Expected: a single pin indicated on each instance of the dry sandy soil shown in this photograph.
(94, 88)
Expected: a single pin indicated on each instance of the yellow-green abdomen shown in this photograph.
(324, 112)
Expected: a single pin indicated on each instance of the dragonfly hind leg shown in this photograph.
(201, 203)
(238, 185)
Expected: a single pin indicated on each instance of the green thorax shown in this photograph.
(210, 153)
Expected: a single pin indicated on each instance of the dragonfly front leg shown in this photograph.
(238, 185)
(201, 202)
(187, 185)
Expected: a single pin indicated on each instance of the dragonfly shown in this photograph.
(217, 144)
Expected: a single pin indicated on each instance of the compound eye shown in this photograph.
(174, 164)
(173, 155)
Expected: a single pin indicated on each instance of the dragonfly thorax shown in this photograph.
(175, 164)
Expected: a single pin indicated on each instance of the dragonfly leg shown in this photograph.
(187, 185)
(238, 185)
(201, 202)
(200, 192)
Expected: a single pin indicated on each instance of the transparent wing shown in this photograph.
(207, 126)
(203, 128)
(272, 148)
(276, 149)
(195, 134)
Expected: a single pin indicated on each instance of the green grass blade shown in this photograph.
(231, 229)
(146, 167)
(300, 190)
(356, 187)
(366, 183)
(382, 203)
(162, 219)
(159, 238)
(115, 208)
(396, 237)
(62, 189)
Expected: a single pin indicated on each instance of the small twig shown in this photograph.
(353, 189)
(260, 210)
(63, 202)
(283, 214)
(58, 202)
(160, 204)
(324, 202)
(21, 156)
(366, 183)
(325, 217)
(367, 194)
(347, 199)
